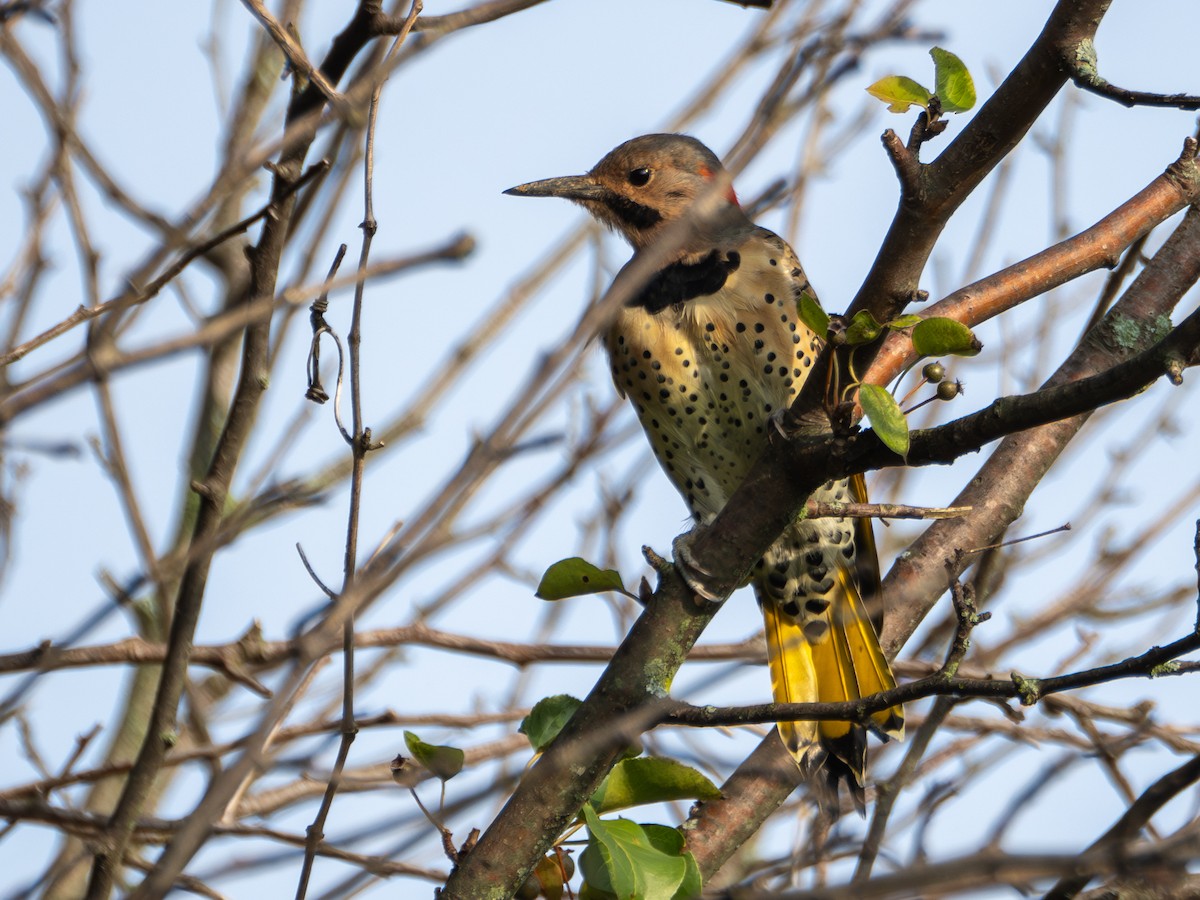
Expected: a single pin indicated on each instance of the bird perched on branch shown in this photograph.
(710, 351)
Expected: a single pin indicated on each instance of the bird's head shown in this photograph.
(643, 186)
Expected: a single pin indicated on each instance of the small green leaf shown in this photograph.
(670, 840)
(636, 782)
(863, 329)
(938, 336)
(444, 762)
(547, 719)
(952, 82)
(812, 315)
(575, 577)
(604, 865)
(621, 859)
(900, 93)
(903, 322)
(885, 415)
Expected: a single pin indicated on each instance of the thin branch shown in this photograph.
(1154, 663)
(133, 298)
(360, 446)
(822, 509)
(1082, 68)
(296, 56)
(1125, 830)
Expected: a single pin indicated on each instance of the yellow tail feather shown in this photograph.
(874, 673)
(847, 665)
(850, 664)
(789, 658)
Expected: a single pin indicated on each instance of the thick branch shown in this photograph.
(932, 192)
(1094, 248)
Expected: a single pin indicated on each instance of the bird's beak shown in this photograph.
(571, 187)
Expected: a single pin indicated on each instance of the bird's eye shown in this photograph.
(639, 177)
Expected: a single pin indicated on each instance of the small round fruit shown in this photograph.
(948, 390)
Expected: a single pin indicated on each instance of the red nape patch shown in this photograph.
(730, 195)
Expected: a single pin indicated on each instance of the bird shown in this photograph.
(710, 352)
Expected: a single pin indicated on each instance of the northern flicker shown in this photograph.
(709, 352)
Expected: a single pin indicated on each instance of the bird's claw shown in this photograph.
(785, 423)
(698, 579)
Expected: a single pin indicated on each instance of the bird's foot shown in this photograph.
(699, 579)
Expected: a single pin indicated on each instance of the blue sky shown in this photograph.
(540, 94)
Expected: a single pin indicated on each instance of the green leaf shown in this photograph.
(636, 782)
(444, 762)
(812, 315)
(938, 336)
(863, 329)
(670, 840)
(952, 82)
(885, 415)
(622, 860)
(900, 93)
(575, 577)
(903, 322)
(547, 719)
